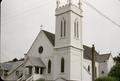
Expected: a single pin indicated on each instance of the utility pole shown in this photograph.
(93, 63)
(0, 34)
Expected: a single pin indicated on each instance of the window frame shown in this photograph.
(89, 68)
(62, 65)
(76, 28)
(49, 66)
(63, 28)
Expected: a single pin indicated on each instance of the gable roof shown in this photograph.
(88, 53)
(34, 61)
(87, 50)
(104, 57)
(10, 64)
(14, 69)
(50, 36)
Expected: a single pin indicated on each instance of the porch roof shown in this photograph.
(34, 61)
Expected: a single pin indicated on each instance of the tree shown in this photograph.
(105, 79)
(1, 71)
(115, 72)
(117, 58)
(15, 59)
(40, 80)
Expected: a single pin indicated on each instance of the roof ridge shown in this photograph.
(105, 54)
(48, 32)
(50, 36)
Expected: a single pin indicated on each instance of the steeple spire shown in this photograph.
(79, 4)
(58, 3)
(69, 1)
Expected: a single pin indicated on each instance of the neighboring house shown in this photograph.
(62, 56)
(106, 62)
(12, 70)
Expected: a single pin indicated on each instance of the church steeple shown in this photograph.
(68, 24)
(79, 4)
(68, 41)
(69, 2)
(58, 3)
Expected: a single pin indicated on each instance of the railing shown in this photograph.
(27, 76)
(38, 76)
(20, 79)
(24, 77)
(30, 78)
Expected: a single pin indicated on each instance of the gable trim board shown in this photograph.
(48, 35)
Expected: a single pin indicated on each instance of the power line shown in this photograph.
(37, 5)
(90, 5)
(27, 11)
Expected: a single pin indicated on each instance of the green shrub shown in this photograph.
(105, 79)
(115, 72)
(40, 80)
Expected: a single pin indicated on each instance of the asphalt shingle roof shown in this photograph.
(104, 57)
(88, 53)
(87, 50)
(50, 36)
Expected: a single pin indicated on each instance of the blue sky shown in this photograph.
(21, 20)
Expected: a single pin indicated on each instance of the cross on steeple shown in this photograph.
(41, 27)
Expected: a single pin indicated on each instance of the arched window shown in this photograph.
(62, 64)
(63, 28)
(89, 68)
(76, 28)
(49, 66)
(95, 72)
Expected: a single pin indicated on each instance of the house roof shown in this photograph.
(50, 36)
(87, 50)
(99, 58)
(35, 61)
(9, 65)
(14, 69)
(88, 53)
(104, 57)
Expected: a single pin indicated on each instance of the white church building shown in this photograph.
(61, 56)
